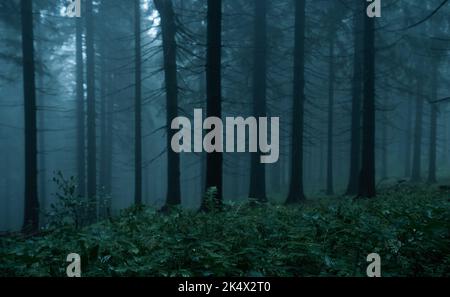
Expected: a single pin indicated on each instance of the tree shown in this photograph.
(384, 143)
(296, 191)
(367, 175)
(257, 170)
(91, 113)
(331, 78)
(433, 124)
(31, 207)
(416, 174)
(168, 28)
(41, 115)
(80, 106)
(355, 149)
(214, 91)
(137, 105)
(408, 139)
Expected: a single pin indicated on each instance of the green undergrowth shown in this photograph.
(407, 226)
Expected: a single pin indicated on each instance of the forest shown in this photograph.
(216, 138)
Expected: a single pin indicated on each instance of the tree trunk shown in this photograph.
(137, 106)
(296, 190)
(367, 176)
(42, 158)
(41, 129)
(276, 177)
(31, 205)
(384, 143)
(408, 140)
(417, 151)
(433, 142)
(330, 187)
(446, 152)
(214, 91)
(355, 147)
(91, 116)
(6, 191)
(80, 106)
(109, 136)
(168, 27)
(258, 170)
(433, 127)
(103, 114)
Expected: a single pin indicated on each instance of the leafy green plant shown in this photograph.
(408, 226)
(73, 209)
(210, 202)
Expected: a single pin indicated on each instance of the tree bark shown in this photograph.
(367, 176)
(355, 147)
(80, 106)
(433, 126)
(41, 127)
(384, 142)
(168, 27)
(31, 206)
(408, 139)
(103, 114)
(257, 169)
(91, 112)
(214, 91)
(296, 190)
(330, 187)
(137, 106)
(416, 175)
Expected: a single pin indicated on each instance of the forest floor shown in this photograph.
(408, 226)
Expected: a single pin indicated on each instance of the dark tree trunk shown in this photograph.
(6, 190)
(137, 106)
(168, 27)
(103, 154)
(42, 158)
(296, 191)
(31, 206)
(416, 174)
(109, 137)
(81, 116)
(91, 113)
(367, 176)
(330, 187)
(258, 170)
(203, 156)
(276, 177)
(433, 127)
(433, 142)
(103, 114)
(41, 130)
(384, 152)
(322, 162)
(446, 153)
(214, 90)
(408, 139)
(355, 146)
(384, 142)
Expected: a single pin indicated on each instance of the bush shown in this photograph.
(71, 209)
(407, 226)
